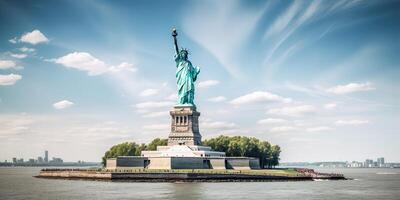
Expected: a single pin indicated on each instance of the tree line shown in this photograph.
(132, 149)
(240, 146)
(233, 146)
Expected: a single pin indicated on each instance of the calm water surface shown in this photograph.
(18, 183)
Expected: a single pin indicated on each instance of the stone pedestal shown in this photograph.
(184, 126)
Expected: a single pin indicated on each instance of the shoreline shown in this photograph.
(185, 175)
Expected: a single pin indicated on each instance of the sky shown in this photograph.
(318, 78)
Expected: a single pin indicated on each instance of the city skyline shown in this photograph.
(317, 78)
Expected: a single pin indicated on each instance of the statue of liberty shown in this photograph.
(186, 74)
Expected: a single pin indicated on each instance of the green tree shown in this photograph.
(275, 152)
(156, 142)
(132, 149)
(123, 149)
(265, 152)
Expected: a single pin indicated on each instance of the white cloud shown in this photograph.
(148, 92)
(19, 56)
(13, 40)
(319, 129)
(330, 106)
(123, 67)
(351, 122)
(154, 104)
(10, 79)
(86, 62)
(157, 127)
(294, 111)
(208, 83)
(350, 88)
(63, 104)
(217, 99)
(217, 125)
(271, 121)
(283, 129)
(259, 97)
(26, 49)
(7, 64)
(83, 61)
(34, 37)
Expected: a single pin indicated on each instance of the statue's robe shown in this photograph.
(186, 75)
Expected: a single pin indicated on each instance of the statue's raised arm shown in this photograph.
(174, 34)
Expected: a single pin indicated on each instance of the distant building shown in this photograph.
(46, 156)
(56, 161)
(381, 162)
(40, 160)
(369, 163)
(14, 160)
(356, 164)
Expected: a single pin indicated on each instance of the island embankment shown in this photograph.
(189, 175)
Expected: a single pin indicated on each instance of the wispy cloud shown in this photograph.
(319, 129)
(279, 129)
(217, 99)
(272, 121)
(19, 55)
(302, 16)
(148, 92)
(350, 88)
(282, 22)
(221, 18)
(207, 83)
(351, 122)
(293, 111)
(26, 49)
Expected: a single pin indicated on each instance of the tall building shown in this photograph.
(14, 160)
(46, 156)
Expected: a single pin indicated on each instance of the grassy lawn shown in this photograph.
(276, 172)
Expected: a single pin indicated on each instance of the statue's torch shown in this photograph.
(174, 34)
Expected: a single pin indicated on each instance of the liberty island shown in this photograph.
(184, 158)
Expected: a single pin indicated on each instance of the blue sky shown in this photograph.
(318, 78)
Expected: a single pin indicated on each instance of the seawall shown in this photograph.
(176, 177)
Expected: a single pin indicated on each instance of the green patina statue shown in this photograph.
(186, 74)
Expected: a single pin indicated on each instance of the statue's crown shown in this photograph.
(184, 50)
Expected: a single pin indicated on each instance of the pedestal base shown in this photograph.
(184, 126)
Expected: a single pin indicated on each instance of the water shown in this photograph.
(18, 183)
